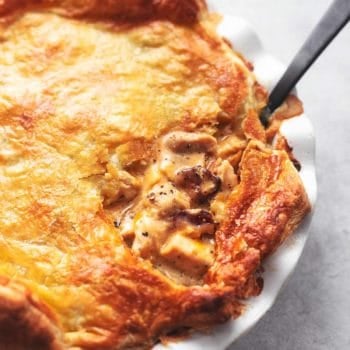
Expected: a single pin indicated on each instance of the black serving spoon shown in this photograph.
(336, 17)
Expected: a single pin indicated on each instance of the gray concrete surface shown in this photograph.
(313, 310)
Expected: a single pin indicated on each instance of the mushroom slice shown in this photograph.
(198, 182)
(188, 142)
(196, 222)
(184, 150)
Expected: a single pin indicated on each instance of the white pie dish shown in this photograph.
(280, 265)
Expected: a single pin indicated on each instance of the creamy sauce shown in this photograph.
(173, 218)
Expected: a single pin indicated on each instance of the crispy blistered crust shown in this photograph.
(148, 306)
(77, 284)
(263, 211)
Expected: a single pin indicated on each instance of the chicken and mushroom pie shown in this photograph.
(139, 192)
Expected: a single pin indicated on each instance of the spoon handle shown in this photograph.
(336, 17)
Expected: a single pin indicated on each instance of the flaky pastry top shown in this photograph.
(139, 191)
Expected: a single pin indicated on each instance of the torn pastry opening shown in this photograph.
(172, 211)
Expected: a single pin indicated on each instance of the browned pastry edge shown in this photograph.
(289, 109)
(268, 180)
(25, 322)
(179, 11)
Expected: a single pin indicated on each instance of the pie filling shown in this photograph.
(169, 214)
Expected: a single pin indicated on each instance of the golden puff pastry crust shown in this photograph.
(139, 192)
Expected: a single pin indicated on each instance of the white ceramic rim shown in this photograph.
(280, 265)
